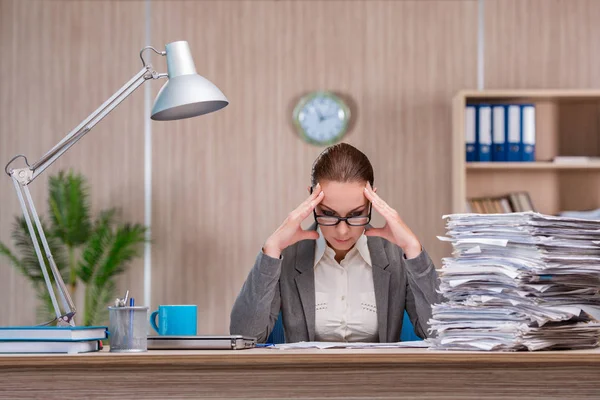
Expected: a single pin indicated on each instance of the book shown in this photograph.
(508, 203)
(52, 333)
(65, 347)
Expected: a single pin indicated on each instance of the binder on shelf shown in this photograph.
(499, 117)
(470, 133)
(484, 132)
(528, 132)
(513, 136)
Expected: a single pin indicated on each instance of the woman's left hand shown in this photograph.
(395, 230)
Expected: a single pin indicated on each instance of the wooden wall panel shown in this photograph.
(225, 181)
(545, 44)
(60, 61)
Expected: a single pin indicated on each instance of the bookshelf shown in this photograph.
(567, 124)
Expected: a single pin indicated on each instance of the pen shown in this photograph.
(131, 304)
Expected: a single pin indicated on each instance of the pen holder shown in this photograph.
(128, 329)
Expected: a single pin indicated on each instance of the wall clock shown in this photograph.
(321, 118)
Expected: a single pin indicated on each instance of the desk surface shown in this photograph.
(306, 374)
(274, 357)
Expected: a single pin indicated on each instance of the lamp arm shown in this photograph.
(22, 177)
(68, 305)
(26, 175)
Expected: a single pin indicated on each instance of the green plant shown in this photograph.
(87, 251)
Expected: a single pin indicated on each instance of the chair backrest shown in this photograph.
(407, 333)
(277, 336)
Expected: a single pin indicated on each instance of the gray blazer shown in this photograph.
(288, 285)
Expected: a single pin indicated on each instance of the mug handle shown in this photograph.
(153, 321)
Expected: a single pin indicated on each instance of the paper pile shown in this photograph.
(519, 281)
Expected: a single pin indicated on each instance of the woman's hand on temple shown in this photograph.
(394, 230)
(290, 230)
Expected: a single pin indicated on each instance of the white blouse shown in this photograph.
(345, 309)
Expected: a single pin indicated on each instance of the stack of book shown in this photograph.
(51, 339)
(511, 202)
(520, 281)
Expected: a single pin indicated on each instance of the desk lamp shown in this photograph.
(185, 94)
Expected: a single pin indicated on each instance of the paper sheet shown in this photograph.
(352, 345)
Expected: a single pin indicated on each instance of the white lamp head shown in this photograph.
(186, 94)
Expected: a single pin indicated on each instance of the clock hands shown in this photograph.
(321, 118)
(327, 116)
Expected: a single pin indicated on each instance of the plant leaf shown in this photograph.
(97, 300)
(125, 246)
(69, 206)
(97, 246)
(45, 310)
(29, 264)
(5, 251)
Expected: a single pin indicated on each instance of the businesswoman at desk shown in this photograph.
(340, 280)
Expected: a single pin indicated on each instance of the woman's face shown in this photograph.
(342, 199)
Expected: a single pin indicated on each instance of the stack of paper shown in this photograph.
(351, 345)
(519, 281)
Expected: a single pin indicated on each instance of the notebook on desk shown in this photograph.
(225, 342)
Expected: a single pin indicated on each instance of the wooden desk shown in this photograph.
(270, 373)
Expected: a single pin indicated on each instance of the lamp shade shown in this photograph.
(186, 94)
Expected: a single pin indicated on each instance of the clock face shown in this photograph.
(321, 118)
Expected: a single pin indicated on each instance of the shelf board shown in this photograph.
(541, 94)
(537, 165)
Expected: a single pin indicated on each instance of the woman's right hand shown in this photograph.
(290, 230)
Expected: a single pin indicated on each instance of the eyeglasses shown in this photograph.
(331, 220)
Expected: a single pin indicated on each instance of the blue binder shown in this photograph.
(499, 123)
(528, 132)
(513, 135)
(470, 132)
(484, 132)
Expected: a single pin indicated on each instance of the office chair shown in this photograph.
(277, 336)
